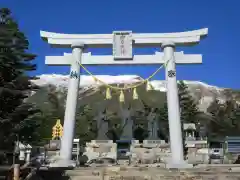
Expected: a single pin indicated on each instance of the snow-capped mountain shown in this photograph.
(202, 92)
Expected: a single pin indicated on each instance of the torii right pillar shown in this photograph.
(174, 122)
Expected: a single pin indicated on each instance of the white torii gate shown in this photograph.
(122, 42)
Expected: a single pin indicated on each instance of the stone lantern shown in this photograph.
(189, 130)
(22, 148)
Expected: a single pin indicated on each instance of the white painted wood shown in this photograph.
(88, 59)
(71, 103)
(175, 130)
(139, 39)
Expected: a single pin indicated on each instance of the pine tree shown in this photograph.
(142, 132)
(214, 125)
(18, 119)
(53, 109)
(86, 126)
(188, 106)
(163, 121)
(57, 101)
(188, 109)
(225, 120)
(114, 126)
(235, 118)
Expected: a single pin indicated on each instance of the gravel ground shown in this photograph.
(130, 173)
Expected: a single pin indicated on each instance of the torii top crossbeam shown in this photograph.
(138, 39)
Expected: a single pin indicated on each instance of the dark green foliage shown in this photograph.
(86, 127)
(140, 133)
(163, 122)
(235, 117)
(188, 106)
(53, 109)
(140, 121)
(115, 126)
(53, 102)
(18, 119)
(56, 104)
(225, 118)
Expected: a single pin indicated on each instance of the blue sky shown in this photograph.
(221, 61)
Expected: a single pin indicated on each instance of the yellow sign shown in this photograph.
(57, 130)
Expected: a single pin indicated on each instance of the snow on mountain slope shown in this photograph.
(202, 92)
(62, 81)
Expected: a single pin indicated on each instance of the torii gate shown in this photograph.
(122, 43)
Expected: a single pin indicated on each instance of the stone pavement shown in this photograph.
(151, 173)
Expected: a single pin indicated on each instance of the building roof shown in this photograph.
(188, 126)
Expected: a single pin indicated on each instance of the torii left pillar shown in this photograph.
(71, 104)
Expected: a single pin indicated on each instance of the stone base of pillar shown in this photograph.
(64, 164)
(153, 138)
(182, 165)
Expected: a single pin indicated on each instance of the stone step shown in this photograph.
(85, 178)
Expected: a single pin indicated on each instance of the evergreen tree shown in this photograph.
(142, 132)
(57, 101)
(188, 106)
(18, 119)
(53, 109)
(225, 118)
(188, 109)
(86, 126)
(235, 118)
(115, 127)
(163, 122)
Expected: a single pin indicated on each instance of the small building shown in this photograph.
(189, 130)
(194, 146)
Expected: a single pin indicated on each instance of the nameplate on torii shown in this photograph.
(89, 59)
(122, 45)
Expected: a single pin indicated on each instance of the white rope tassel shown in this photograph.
(135, 94)
(95, 80)
(108, 94)
(149, 86)
(121, 97)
